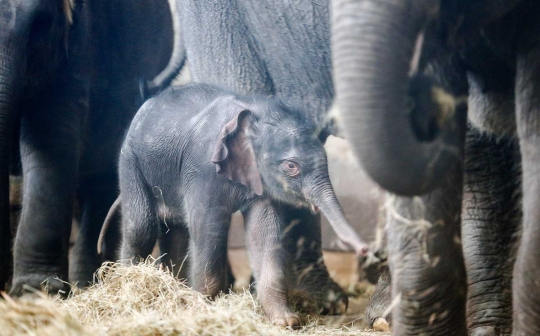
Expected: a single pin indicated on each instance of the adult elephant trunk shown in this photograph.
(322, 196)
(373, 46)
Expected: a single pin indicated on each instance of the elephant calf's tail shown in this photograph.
(112, 211)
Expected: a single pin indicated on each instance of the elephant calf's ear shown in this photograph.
(234, 156)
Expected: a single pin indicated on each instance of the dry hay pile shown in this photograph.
(145, 300)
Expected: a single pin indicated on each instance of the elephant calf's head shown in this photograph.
(274, 150)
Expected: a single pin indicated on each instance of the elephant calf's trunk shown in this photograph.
(325, 199)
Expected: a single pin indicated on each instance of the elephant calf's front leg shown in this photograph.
(208, 232)
(269, 262)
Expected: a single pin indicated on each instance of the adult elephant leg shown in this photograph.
(426, 262)
(490, 219)
(50, 151)
(10, 85)
(97, 194)
(5, 223)
(378, 309)
(526, 287)
(302, 240)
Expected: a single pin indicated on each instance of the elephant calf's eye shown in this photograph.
(290, 168)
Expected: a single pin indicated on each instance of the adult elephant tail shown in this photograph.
(176, 62)
(406, 148)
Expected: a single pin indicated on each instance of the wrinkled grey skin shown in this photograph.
(229, 44)
(490, 225)
(270, 47)
(488, 53)
(267, 158)
(380, 302)
(69, 85)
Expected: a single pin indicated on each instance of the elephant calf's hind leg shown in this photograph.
(208, 231)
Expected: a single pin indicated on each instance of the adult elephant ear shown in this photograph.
(234, 156)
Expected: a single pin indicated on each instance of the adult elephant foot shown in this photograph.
(309, 276)
(378, 311)
(315, 288)
(30, 284)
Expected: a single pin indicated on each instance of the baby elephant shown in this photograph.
(196, 154)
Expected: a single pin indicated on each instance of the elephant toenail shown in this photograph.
(381, 324)
(294, 322)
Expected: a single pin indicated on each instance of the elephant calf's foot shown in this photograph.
(30, 284)
(284, 319)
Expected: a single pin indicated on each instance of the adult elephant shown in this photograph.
(278, 48)
(69, 86)
(403, 70)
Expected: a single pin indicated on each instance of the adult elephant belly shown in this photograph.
(229, 44)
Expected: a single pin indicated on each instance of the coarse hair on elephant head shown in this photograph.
(274, 149)
(407, 128)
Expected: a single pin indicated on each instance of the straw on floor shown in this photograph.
(145, 300)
